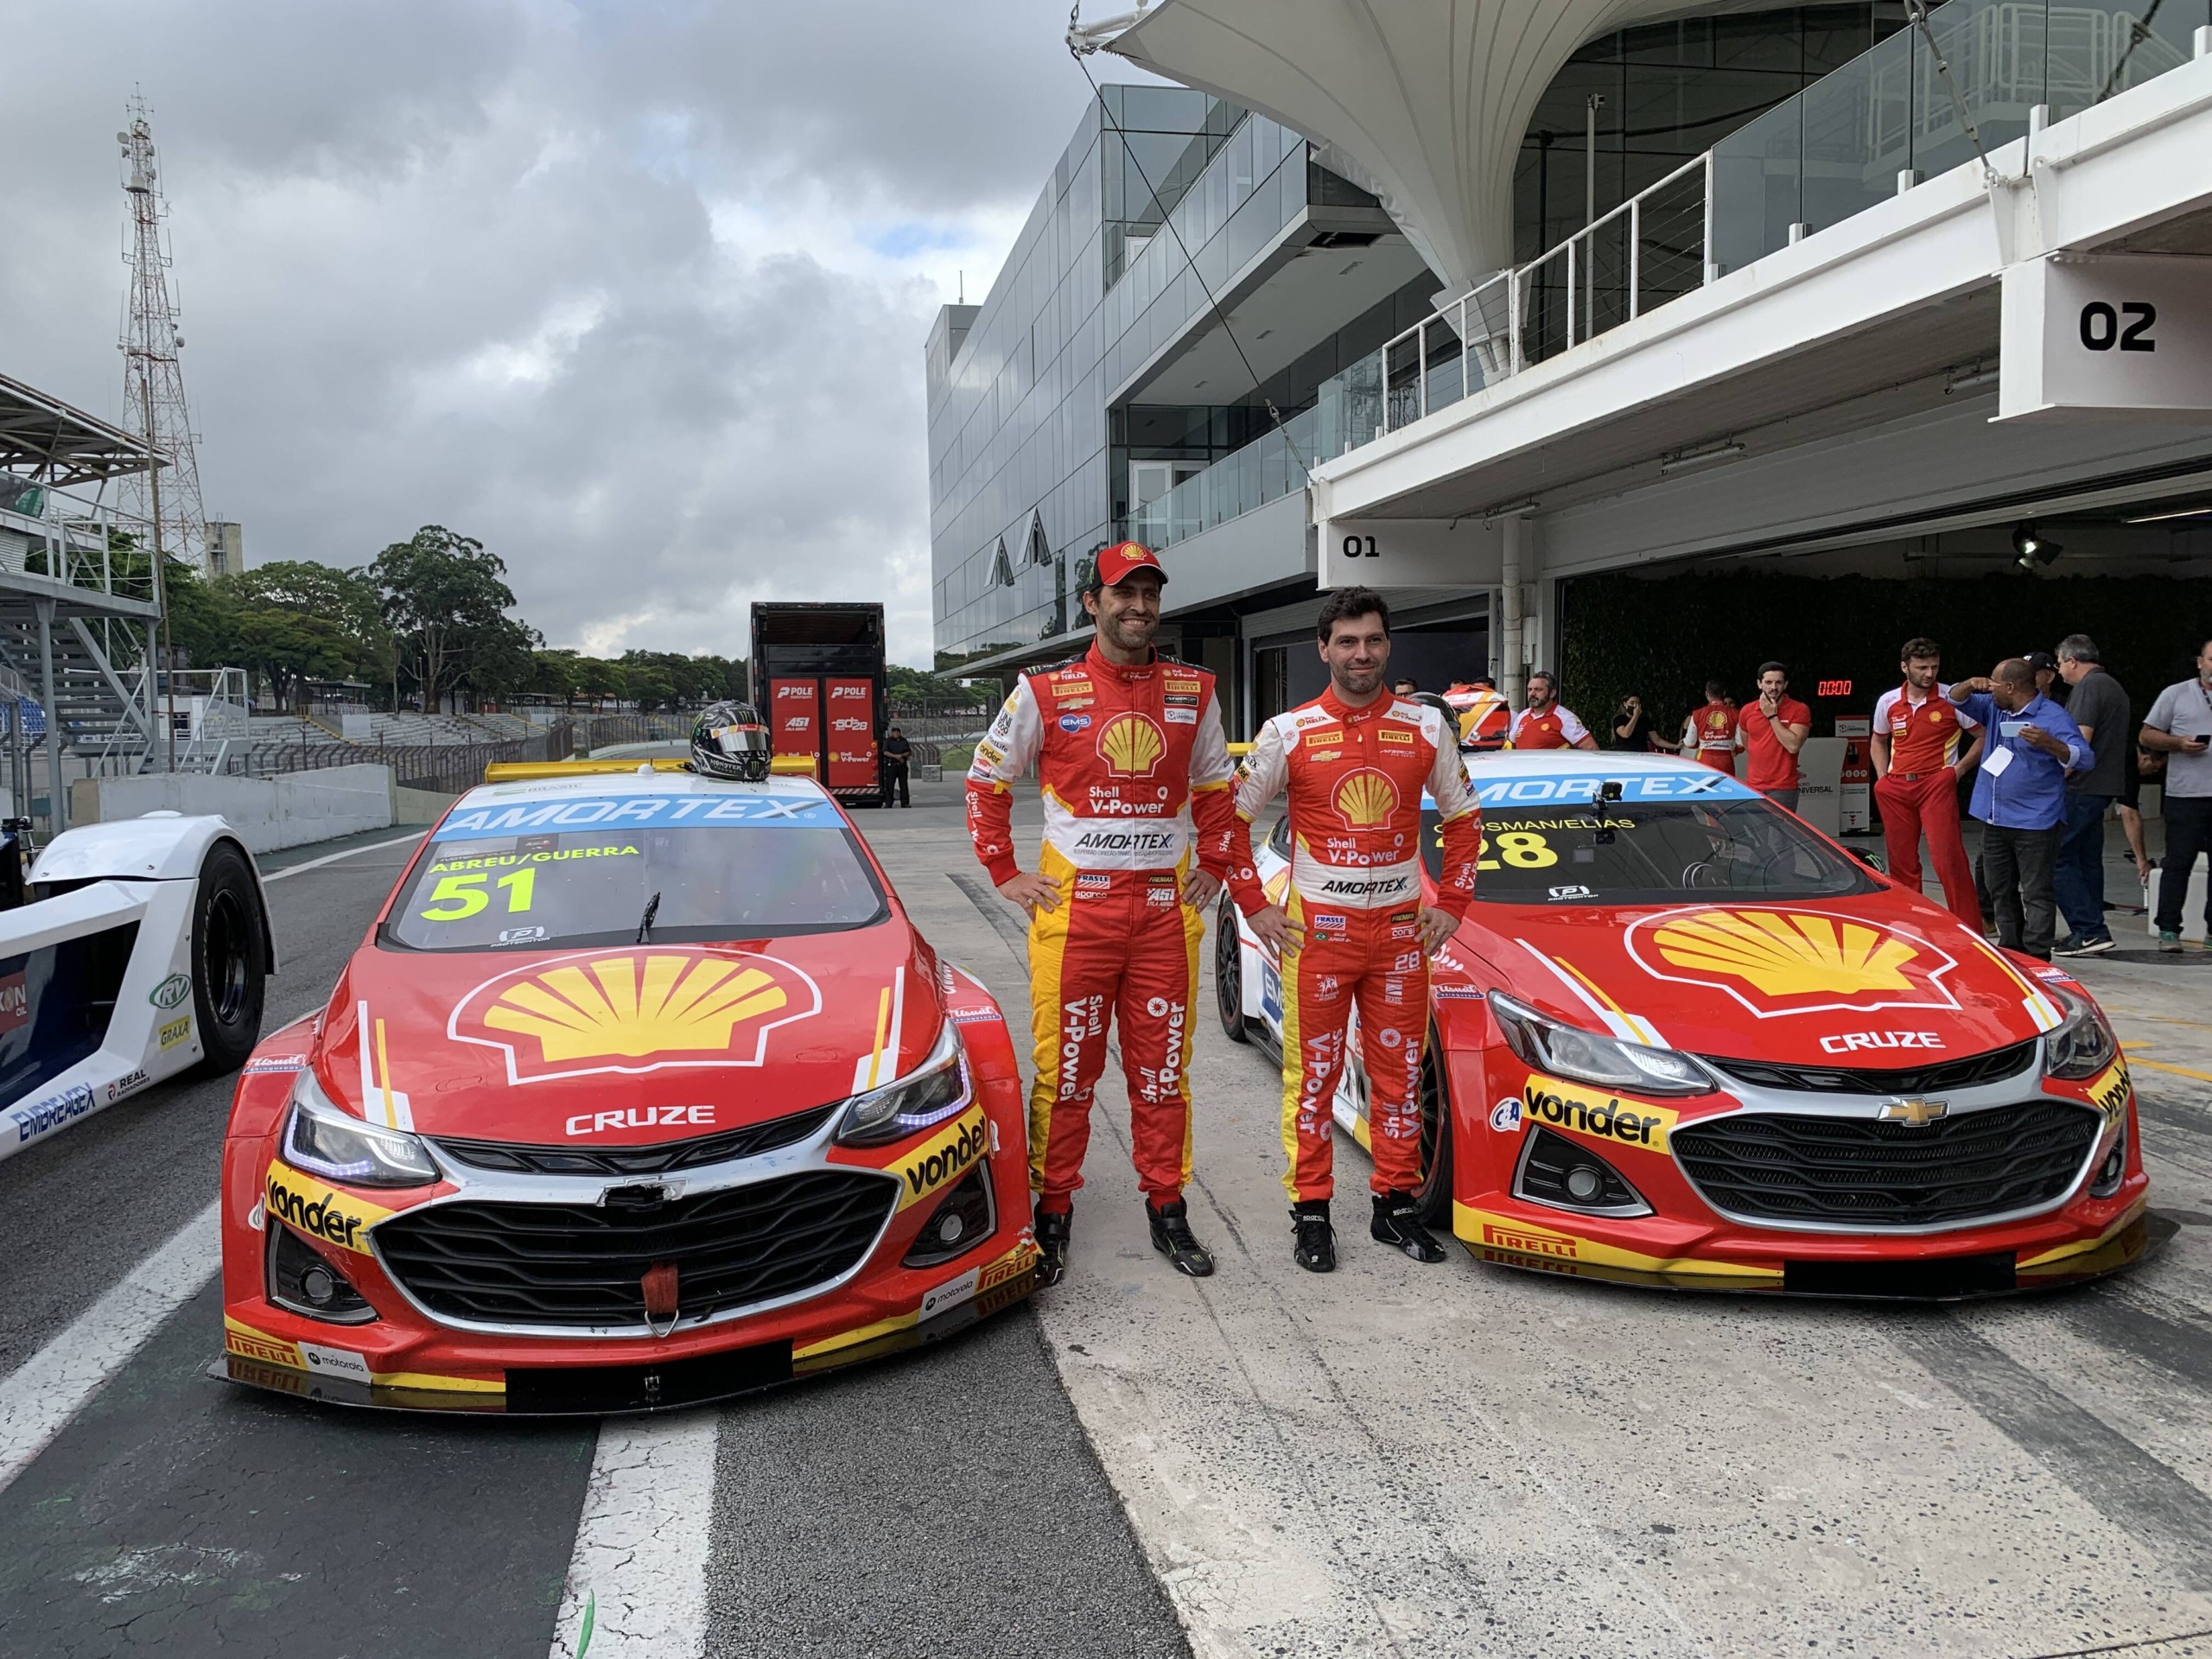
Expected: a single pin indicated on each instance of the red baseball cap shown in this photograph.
(1115, 563)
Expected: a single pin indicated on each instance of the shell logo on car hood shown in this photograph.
(634, 1010)
(1785, 962)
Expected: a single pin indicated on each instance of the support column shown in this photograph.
(153, 695)
(57, 798)
(1520, 565)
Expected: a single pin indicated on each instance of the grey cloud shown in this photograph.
(457, 263)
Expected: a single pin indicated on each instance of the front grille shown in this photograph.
(747, 1142)
(582, 1264)
(1975, 1069)
(1859, 1172)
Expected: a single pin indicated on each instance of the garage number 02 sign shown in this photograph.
(2106, 337)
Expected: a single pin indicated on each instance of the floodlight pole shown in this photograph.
(160, 583)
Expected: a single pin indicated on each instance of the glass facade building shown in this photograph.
(1030, 445)
(1054, 429)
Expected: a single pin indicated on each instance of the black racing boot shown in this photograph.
(1316, 1250)
(1052, 1240)
(1172, 1237)
(1397, 1221)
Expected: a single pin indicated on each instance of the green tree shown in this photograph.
(446, 600)
(295, 619)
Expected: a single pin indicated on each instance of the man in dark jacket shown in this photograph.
(2098, 706)
(897, 757)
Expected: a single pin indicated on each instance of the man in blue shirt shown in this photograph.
(2019, 795)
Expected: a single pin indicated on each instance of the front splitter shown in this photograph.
(1494, 1240)
(615, 1390)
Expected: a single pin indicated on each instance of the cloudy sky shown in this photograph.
(635, 291)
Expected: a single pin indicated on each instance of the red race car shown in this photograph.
(642, 1091)
(1683, 1039)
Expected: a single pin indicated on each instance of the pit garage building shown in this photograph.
(1644, 340)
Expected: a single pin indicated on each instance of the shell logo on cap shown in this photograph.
(1131, 745)
(1779, 961)
(634, 1011)
(1365, 798)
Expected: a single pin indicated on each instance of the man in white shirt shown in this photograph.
(2179, 726)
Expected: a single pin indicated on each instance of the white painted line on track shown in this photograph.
(640, 1559)
(332, 858)
(40, 1397)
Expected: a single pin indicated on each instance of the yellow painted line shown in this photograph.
(2178, 1070)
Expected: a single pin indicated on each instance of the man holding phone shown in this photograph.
(2179, 726)
(2019, 795)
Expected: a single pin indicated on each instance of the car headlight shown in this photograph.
(2084, 1044)
(933, 1091)
(1585, 1057)
(323, 1141)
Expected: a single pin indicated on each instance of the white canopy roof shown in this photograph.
(1423, 102)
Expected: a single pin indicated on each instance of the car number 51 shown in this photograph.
(459, 897)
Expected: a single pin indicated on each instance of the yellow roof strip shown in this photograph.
(516, 771)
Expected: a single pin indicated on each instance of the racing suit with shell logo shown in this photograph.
(1136, 781)
(1355, 777)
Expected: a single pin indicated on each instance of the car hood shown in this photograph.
(622, 1045)
(1876, 981)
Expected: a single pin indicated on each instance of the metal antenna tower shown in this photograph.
(153, 379)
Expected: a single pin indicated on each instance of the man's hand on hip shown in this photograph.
(1276, 932)
(1437, 928)
(1031, 892)
(1200, 890)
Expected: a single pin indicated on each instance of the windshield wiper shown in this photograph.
(646, 921)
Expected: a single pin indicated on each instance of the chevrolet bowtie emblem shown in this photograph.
(1918, 1113)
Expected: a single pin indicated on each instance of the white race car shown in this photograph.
(145, 954)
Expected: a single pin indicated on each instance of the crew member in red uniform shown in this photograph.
(1545, 723)
(1485, 719)
(1136, 783)
(1924, 743)
(1352, 928)
(1773, 729)
(1712, 730)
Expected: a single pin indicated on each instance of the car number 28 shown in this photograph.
(1524, 849)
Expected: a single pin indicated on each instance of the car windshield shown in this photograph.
(761, 867)
(1649, 852)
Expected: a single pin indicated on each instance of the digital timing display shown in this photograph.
(1833, 689)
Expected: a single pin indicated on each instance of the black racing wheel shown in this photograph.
(1229, 972)
(1434, 1195)
(230, 959)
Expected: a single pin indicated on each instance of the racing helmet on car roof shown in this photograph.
(730, 740)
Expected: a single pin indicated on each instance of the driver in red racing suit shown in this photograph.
(1352, 928)
(1129, 753)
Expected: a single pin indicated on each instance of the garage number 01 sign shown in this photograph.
(1406, 553)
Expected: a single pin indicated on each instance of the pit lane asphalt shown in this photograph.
(886, 1510)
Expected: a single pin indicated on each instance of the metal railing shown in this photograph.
(1843, 144)
(446, 768)
(71, 537)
